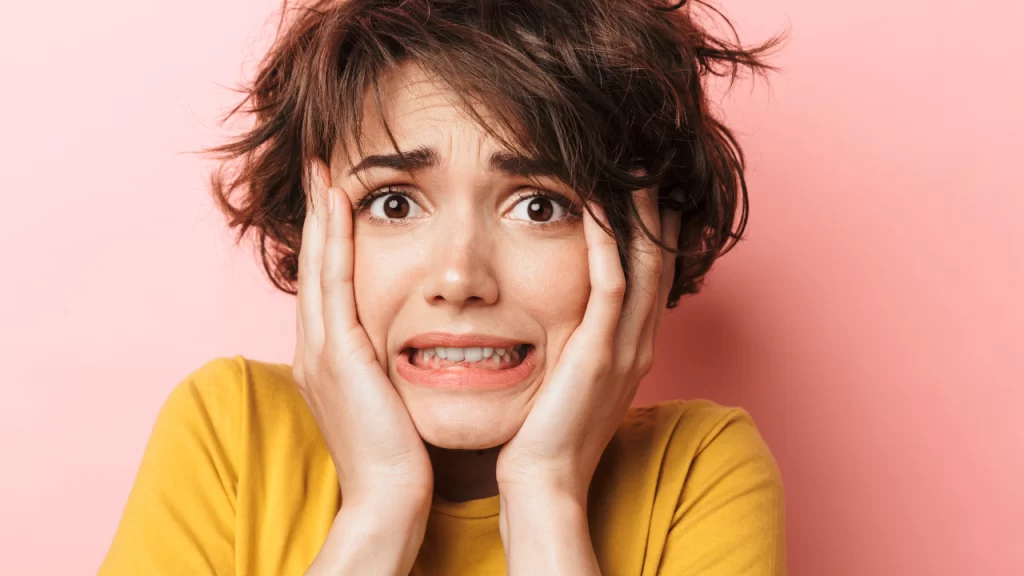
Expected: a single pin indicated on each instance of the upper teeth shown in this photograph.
(471, 354)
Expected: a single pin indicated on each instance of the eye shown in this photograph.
(541, 208)
(392, 205)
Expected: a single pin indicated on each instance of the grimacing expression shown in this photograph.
(460, 244)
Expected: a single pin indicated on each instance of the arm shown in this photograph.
(365, 540)
(383, 468)
(545, 531)
(544, 471)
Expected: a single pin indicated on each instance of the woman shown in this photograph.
(483, 208)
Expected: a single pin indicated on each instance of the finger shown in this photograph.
(646, 263)
(670, 222)
(339, 308)
(607, 281)
(300, 346)
(589, 350)
(669, 227)
(310, 256)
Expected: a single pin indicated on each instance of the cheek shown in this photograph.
(550, 282)
(382, 282)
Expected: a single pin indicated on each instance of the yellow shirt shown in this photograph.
(236, 479)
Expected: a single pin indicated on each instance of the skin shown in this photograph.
(465, 264)
(466, 260)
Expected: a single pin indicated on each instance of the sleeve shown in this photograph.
(179, 518)
(730, 519)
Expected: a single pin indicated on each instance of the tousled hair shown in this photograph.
(612, 92)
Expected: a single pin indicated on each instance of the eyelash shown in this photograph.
(572, 211)
(364, 204)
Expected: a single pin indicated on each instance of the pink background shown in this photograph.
(871, 323)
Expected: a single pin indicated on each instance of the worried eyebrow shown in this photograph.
(517, 165)
(414, 161)
(422, 158)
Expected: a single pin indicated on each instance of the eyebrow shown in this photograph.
(414, 161)
(424, 157)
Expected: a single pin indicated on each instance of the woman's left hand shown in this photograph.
(585, 399)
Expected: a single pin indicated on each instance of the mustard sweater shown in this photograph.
(236, 479)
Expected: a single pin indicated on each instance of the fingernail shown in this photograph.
(330, 200)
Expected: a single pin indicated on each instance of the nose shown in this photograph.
(462, 269)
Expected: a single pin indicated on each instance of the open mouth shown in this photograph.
(442, 357)
(468, 368)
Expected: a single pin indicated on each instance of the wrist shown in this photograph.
(543, 501)
(375, 521)
(382, 495)
(372, 537)
(386, 506)
(558, 492)
(559, 488)
(545, 531)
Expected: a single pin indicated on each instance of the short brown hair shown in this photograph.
(599, 88)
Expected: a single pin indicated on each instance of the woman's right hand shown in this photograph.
(382, 463)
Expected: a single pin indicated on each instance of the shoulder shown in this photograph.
(692, 421)
(229, 397)
(688, 428)
(715, 455)
(713, 436)
(226, 384)
(702, 482)
(689, 446)
(720, 504)
(181, 515)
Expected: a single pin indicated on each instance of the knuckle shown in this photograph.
(313, 367)
(644, 363)
(598, 364)
(602, 366)
(299, 375)
(657, 264)
(331, 232)
(305, 269)
(626, 359)
(326, 279)
(615, 288)
(333, 361)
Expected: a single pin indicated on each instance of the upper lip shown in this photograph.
(436, 339)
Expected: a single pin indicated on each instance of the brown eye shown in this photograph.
(540, 209)
(394, 207)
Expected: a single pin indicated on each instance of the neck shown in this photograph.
(461, 475)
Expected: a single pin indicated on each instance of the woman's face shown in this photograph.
(456, 258)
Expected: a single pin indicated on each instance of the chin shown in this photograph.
(462, 421)
(463, 404)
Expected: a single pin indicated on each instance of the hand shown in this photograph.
(579, 408)
(380, 457)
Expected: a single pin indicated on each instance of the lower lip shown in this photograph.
(466, 377)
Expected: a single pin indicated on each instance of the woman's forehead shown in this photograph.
(422, 117)
(414, 104)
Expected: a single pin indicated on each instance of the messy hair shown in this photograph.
(612, 92)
